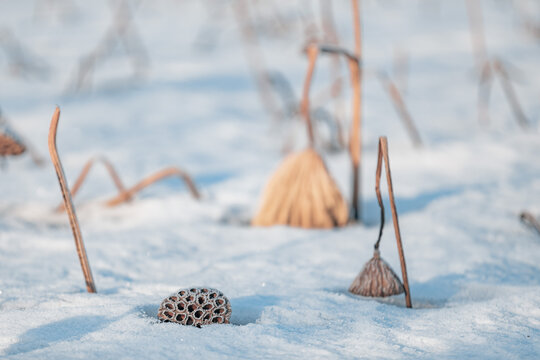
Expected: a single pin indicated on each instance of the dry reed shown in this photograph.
(73, 221)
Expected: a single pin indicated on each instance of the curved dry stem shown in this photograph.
(79, 244)
(378, 192)
(160, 175)
(383, 152)
(84, 173)
(313, 53)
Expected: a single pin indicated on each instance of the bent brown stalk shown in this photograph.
(160, 175)
(313, 53)
(383, 153)
(84, 173)
(79, 244)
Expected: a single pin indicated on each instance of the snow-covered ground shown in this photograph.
(473, 268)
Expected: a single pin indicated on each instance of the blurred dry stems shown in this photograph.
(21, 62)
(122, 31)
(124, 194)
(73, 221)
(488, 67)
(272, 83)
(528, 219)
(399, 103)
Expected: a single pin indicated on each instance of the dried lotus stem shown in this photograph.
(313, 52)
(84, 173)
(400, 107)
(160, 175)
(528, 219)
(79, 244)
(383, 154)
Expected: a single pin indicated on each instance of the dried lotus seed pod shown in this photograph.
(377, 279)
(196, 306)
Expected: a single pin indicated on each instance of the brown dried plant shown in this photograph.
(355, 138)
(12, 144)
(377, 279)
(302, 192)
(73, 221)
(86, 170)
(160, 175)
(124, 194)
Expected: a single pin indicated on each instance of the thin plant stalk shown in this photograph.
(383, 154)
(355, 141)
(79, 243)
(401, 108)
(313, 52)
(160, 175)
(84, 173)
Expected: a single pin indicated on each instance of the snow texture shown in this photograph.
(473, 268)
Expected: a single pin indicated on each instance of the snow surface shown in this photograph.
(473, 267)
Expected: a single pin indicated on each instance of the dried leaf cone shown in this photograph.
(302, 193)
(377, 279)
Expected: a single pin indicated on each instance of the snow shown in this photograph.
(473, 267)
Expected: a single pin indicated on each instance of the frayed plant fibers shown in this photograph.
(376, 279)
(196, 307)
(302, 193)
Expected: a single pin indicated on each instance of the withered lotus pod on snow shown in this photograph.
(196, 307)
(377, 279)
